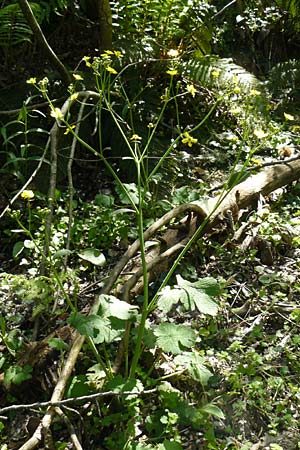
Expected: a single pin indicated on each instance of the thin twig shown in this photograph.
(68, 401)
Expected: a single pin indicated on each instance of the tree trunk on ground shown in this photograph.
(105, 20)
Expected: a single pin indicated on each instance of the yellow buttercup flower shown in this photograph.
(172, 72)
(57, 114)
(31, 80)
(188, 139)
(191, 89)
(77, 77)
(254, 92)
(111, 70)
(74, 96)
(288, 116)
(27, 195)
(86, 59)
(71, 127)
(135, 138)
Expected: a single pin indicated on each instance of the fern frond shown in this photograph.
(13, 25)
(213, 72)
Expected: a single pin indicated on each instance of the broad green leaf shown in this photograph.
(62, 253)
(203, 302)
(18, 248)
(198, 295)
(168, 297)
(129, 197)
(78, 387)
(120, 384)
(213, 410)
(104, 200)
(114, 307)
(174, 338)
(90, 326)
(17, 375)
(195, 366)
(93, 256)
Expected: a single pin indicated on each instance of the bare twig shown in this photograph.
(68, 401)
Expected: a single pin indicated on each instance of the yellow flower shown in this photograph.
(173, 53)
(191, 89)
(135, 138)
(111, 70)
(254, 92)
(71, 127)
(108, 52)
(150, 125)
(172, 72)
(288, 116)
(256, 161)
(74, 96)
(188, 139)
(118, 54)
(57, 114)
(31, 80)
(216, 73)
(260, 134)
(77, 77)
(236, 89)
(27, 195)
(86, 59)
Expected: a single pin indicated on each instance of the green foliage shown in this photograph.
(191, 295)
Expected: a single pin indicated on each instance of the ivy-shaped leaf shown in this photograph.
(112, 306)
(195, 366)
(174, 338)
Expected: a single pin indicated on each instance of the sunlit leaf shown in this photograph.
(174, 338)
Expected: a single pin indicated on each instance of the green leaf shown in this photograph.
(195, 366)
(78, 387)
(93, 256)
(213, 410)
(120, 384)
(99, 328)
(114, 307)
(87, 325)
(58, 343)
(174, 338)
(192, 295)
(17, 375)
(62, 253)
(18, 248)
(129, 197)
(168, 297)
(104, 200)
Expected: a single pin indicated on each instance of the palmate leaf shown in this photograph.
(194, 364)
(174, 338)
(113, 307)
(191, 295)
